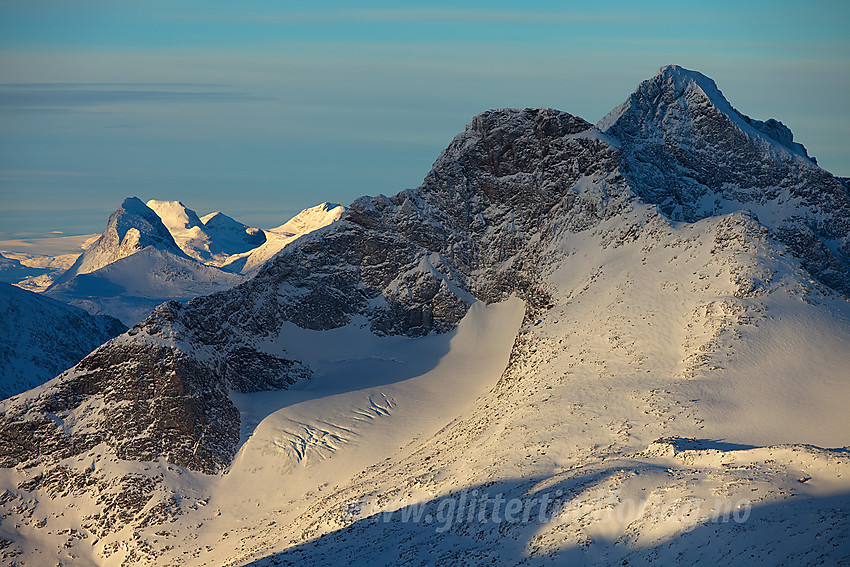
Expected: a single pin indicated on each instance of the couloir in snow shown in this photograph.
(572, 344)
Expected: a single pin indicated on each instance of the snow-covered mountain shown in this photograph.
(134, 266)
(131, 228)
(305, 222)
(210, 240)
(163, 251)
(40, 337)
(129, 288)
(696, 156)
(572, 344)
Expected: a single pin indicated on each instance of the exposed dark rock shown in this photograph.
(144, 401)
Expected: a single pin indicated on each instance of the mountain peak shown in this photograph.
(675, 94)
(133, 205)
(214, 215)
(680, 117)
(132, 227)
(311, 219)
(671, 85)
(134, 214)
(221, 220)
(682, 76)
(685, 148)
(174, 214)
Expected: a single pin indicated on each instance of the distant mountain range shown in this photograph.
(148, 254)
(33, 272)
(572, 344)
(162, 250)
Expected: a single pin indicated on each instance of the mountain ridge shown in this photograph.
(652, 313)
(131, 269)
(211, 239)
(42, 337)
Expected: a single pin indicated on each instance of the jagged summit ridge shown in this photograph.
(686, 88)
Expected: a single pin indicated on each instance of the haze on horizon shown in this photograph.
(267, 108)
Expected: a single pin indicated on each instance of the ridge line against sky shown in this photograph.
(261, 109)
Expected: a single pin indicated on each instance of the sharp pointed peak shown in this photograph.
(134, 205)
(680, 72)
(677, 81)
(689, 91)
(217, 216)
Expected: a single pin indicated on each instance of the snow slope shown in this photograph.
(130, 287)
(40, 337)
(650, 407)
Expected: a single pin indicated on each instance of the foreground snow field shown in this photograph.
(622, 344)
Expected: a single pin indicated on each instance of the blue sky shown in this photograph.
(260, 108)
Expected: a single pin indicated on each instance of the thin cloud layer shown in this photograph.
(58, 95)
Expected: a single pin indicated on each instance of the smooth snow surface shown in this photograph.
(370, 397)
(130, 287)
(370, 400)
